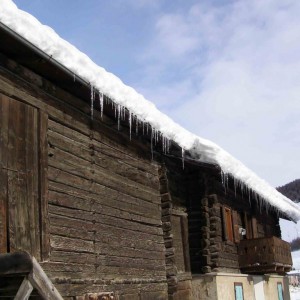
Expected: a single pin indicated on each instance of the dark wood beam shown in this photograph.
(15, 263)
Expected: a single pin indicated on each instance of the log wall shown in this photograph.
(104, 208)
(210, 249)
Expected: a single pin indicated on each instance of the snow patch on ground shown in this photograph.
(295, 293)
(81, 65)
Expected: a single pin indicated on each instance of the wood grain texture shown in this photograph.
(22, 173)
(4, 123)
(43, 185)
(100, 191)
(24, 290)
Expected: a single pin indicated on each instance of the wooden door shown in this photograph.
(19, 177)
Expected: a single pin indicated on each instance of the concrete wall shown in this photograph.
(225, 286)
(220, 286)
(204, 287)
(270, 287)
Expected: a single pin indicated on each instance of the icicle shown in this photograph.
(136, 126)
(147, 127)
(168, 145)
(74, 77)
(130, 123)
(249, 195)
(143, 127)
(153, 134)
(242, 190)
(119, 115)
(92, 102)
(152, 143)
(165, 144)
(234, 183)
(226, 181)
(222, 177)
(182, 156)
(101, 104)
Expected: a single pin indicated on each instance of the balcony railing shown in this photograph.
(265, 255)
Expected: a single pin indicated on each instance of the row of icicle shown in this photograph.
(120, 115)
(244, 190)
(156, 136)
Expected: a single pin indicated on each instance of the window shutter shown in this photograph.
(248, 224)
(236, 226)
(225, 237)
(254, 227)
(227, 224)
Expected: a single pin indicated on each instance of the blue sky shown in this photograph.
(228, 71)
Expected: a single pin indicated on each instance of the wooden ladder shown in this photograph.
(23, 264)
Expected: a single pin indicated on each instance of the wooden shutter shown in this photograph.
(254, 227)
(227, 224)
(236, 226)
(225, 236)
(20, 177)
(248, 224)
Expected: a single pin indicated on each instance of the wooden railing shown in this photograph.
(21, 274)
(265, 255)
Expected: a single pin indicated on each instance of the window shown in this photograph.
(238, 291)
(280, 291)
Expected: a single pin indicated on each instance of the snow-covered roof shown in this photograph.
(44, 38)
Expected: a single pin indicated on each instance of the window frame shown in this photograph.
(280, 292)
(238, 284)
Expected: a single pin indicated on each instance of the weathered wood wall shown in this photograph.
(210, 250)
(200, 192)
(104, 203)
(174, 188)
(109, 218)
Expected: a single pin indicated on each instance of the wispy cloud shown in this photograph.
(236, 67)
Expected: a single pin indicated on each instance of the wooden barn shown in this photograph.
(96, 204)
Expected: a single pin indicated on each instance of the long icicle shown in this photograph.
(119, 115)
(182, 156)
(92, 102)
(130, 123)
(101, 104)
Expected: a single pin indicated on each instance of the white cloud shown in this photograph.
(237, 69)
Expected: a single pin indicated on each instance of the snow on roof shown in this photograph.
(81, 65)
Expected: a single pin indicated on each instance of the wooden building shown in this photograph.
(109, 216)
